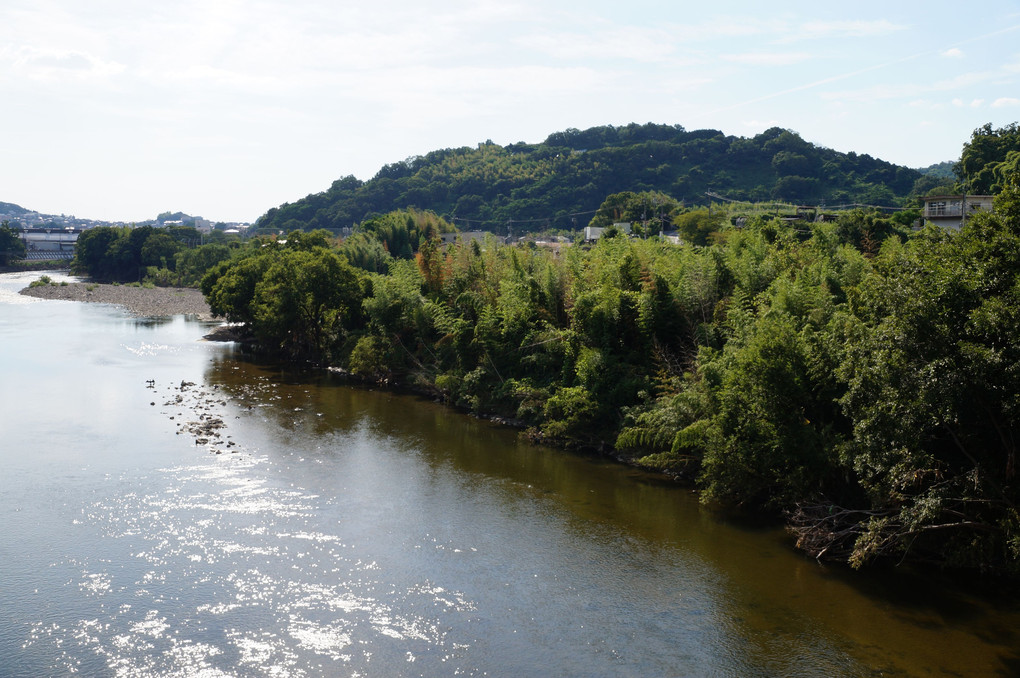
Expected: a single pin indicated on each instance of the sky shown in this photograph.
(120, 110)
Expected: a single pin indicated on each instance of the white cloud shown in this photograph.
(1004, 102)
(33, 63)
(767, 58)
(647, 45)
(952, 53)
(914, 89)
(723, 27)
(977, 103)
(852, 29)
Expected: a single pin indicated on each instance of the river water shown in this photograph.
(326, 530)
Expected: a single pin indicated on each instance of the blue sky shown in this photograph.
(115, 109)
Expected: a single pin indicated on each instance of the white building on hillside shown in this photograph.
(952, 211)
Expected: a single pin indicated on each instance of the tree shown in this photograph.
(307, 241)
(796, 188)
(572, 413)
(696, 226)
(932, 391)
(230, 286)
(192, 264)
(768, 446)
(186, 235)
(648, 207)
(159, 250)
(11, 245)
(367, 253)
(122, 254)
(306, 301)
(786, 163)
(986, 160)
(94, 253)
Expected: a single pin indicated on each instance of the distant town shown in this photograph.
(52, 235)
(20, 217)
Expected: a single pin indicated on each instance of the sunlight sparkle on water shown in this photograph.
(239, 544)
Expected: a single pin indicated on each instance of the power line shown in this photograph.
(820, 207)
(496, 222)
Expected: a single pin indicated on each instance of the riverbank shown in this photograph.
(23, 266)
(141, 301)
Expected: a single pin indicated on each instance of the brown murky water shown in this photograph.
(343, 531)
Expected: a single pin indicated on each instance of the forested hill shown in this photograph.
(560, 182)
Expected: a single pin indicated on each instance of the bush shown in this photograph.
(368, 358)
(570, 413)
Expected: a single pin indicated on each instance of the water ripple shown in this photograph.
(226, 575)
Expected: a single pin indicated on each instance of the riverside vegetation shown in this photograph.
(857, 377)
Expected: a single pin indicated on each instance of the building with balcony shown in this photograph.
(952, 211)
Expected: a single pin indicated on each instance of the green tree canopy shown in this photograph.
(649, 211)
(534, 187)
(989, 158)
(697, 226)
(11, 245)
(122, 254)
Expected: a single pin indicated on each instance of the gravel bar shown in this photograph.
(140, 301)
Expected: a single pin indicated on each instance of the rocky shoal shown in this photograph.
(142, 301)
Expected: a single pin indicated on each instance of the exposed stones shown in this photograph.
(141, 301)
(205, 423)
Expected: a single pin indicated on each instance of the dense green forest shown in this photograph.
(163, 256)
(858, 378)
(558, 183)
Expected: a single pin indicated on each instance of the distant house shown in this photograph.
(592, 233)
(952, 211)
(466, 237)
(555, 245)
(814, 213)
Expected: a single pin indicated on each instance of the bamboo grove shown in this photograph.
(857, 378)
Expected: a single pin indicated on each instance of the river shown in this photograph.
(327, 530)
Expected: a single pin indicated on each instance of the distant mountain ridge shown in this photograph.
(560, 182)
(942, 170)
(9, 208)
(20, 216)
